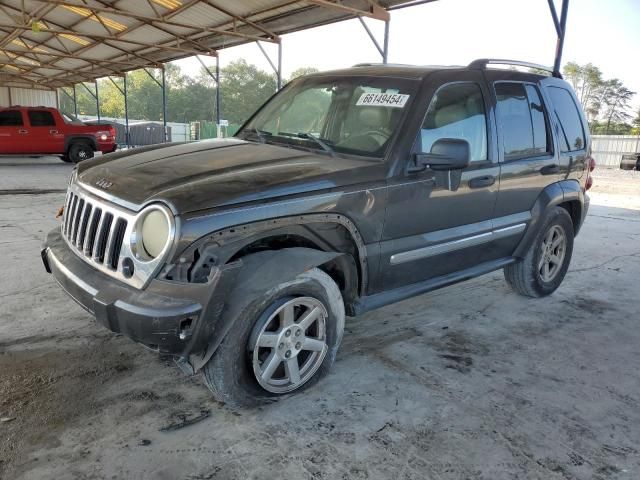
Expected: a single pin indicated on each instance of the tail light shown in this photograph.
(591, 165)
(105, 135)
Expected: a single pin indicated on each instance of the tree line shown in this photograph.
(606, 102)
(243, 87)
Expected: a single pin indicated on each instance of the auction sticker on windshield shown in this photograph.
(396, 100)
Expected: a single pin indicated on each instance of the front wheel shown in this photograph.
(283, 341)
(544, 266)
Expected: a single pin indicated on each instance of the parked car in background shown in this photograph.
(348, 190)
(46, 131)
(630, 161)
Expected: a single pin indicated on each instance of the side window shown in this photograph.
(10, 118)
(41, 118)
(522, 120)
(572, 131)
(457, 111)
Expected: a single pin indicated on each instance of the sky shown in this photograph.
(455, 32)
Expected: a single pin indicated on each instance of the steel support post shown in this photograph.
(75, 101)
(97, 101)
(385, 47)
(218, 117)
(561, 34)
(126, 112)
(164, 104)
(279, 64)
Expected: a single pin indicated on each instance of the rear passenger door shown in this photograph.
(43, 132)
(12, 132)
(527, 154)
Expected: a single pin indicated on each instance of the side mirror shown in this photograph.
(446, 154)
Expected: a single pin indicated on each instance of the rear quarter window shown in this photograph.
(10, 118)
(571, 129)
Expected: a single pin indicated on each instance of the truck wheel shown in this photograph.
(544, 266)
(283, 341)
(79, 151)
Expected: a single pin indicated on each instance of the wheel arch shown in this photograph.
(76, 138)
(322, 232)
(566, 194)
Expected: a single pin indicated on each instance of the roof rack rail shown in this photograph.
(367, 64)
(482, 63)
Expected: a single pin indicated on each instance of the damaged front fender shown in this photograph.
(244, 281)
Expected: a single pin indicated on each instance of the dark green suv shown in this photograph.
(348, 190)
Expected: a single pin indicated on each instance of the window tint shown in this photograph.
(522, 120)
(41, 118)
(572, 133)
(538, 120)
(457, 111)
(10, 118)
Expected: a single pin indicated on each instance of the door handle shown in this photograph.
(484, 181)
(53, 132)
(550, 169)
(22, 131)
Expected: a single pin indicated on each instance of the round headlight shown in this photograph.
(155, 232)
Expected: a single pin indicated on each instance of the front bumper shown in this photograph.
(166, 316)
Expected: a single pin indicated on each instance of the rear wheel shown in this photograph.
(79, 151)
(283, 341)
(544, 266)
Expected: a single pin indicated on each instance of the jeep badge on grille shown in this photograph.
(104, 183)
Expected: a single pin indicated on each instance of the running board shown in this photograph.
(377, 300)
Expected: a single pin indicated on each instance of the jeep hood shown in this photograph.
(218, 173)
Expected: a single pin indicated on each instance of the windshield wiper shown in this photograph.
(261, 134)
(309, 136)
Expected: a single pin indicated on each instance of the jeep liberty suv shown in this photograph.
(348, 190)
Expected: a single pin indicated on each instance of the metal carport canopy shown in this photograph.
(55, 43)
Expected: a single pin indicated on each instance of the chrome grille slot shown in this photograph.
(116, 242)
(86, 213)
(104, 231)
(91, 234)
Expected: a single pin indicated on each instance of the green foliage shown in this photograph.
(303, 71)
(606, 102)
(243, 89)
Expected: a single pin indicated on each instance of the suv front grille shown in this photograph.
(94, 230)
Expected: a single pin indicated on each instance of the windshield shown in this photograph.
(350, 115)
(70, 119)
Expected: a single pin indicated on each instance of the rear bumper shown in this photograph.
(107, 147)
(166, 316)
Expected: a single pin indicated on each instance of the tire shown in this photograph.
(529, 276)
(79, 151)
(258, 336)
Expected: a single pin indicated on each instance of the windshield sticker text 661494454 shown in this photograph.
(396, 100)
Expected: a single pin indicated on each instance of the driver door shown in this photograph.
(433, 226)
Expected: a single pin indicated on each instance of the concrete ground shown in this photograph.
(472, 381)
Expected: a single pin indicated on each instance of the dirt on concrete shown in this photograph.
(468, 382)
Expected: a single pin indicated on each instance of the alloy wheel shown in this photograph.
(552, 253)
(291, 345)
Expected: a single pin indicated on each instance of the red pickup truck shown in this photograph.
(44, 130)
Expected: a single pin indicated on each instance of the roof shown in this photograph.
(53, 43)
